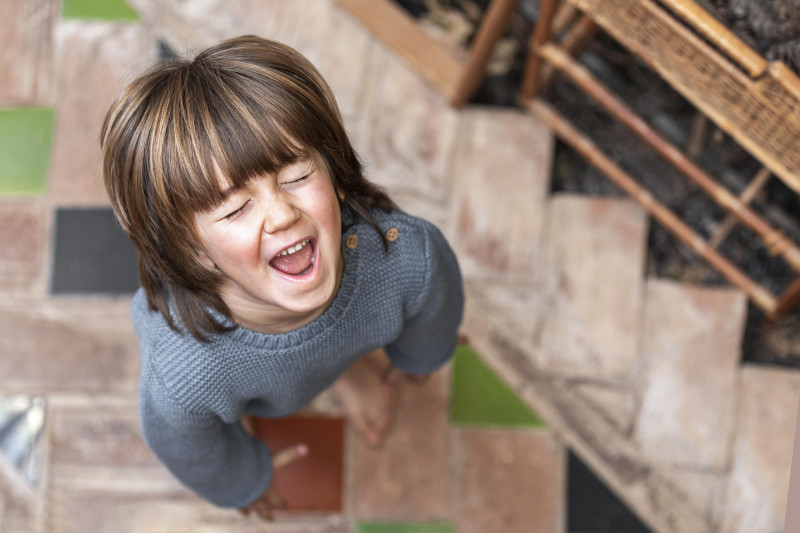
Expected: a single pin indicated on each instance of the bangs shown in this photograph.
(235, 126)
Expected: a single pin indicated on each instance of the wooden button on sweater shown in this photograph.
(392, 234)
(352, 241)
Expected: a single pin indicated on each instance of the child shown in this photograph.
(271, 269)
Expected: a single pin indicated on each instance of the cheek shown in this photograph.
(234, 249)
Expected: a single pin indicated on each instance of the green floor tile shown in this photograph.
(25, 139)
(98, 10)
(480, 397)
(404, 528)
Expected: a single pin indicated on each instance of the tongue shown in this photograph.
(295, 263)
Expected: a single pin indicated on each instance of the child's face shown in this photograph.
(249, 236)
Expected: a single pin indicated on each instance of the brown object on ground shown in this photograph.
(313, 483)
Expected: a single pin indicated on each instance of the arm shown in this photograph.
(433, 315)
(218, 461)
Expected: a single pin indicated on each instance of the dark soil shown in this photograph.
(772, 28)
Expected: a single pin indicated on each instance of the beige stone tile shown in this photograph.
(595, 250)
(507, 480)
(407, 478)
(501, 167)
(22, 242)
(189, 26)
(82, 346)
(757, 490)
(407, 130)
(617, 404)
(21, 509)
(94, 60)
(103, 448)
(336, 44)
(691, 351)
(137, 512)
(26, 52)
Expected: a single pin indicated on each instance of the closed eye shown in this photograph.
(298, 180)
(233, 214)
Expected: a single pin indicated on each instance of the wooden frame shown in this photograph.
(754, 101)
(757, 103)
(457, 79)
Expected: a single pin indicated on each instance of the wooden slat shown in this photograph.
(492, 27)
(440, 66)
(775, 241)
(762, 115)
(588, 149)
(719, 35)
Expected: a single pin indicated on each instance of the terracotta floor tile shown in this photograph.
(501, 235)
(22, 242)
(507, 480)
(315, 482)
(691, 349)
(26, 57)
(407, 478)
(397, 527)
(596, 251)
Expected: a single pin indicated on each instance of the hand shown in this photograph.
(271, 500)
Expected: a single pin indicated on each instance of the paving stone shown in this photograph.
(26, 52)
(314, 483)
(407, 478)
(97, 10)
(22, 242)
(617, 404)
(91, 254)
(502, 168)
(77, 346)
(103, 448)
(507, 480)
(691, 351)
(191, 25)
(479, 397)
(336, 44)
(407, 130)
(759, 480)
(20, 507)
(592, 507)
(108, 54)
(595, 255)
(136, 512)
(25, 145)
(704, 490)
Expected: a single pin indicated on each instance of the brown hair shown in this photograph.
(246, 107)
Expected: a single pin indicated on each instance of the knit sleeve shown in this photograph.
(430, 329)
(218, 461)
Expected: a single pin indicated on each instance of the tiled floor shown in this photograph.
(467, 453)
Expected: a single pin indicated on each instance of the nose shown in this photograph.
(280, 214)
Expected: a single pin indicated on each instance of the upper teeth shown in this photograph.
(293, 249)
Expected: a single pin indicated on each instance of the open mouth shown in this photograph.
(296, 260)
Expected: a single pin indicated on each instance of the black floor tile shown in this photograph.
(92, 254)
(592, 507)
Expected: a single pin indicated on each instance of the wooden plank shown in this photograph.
(661, 213)
(401, 33)
(762, 115)
(719, 35)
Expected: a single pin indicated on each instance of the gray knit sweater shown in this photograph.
(192, 394)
